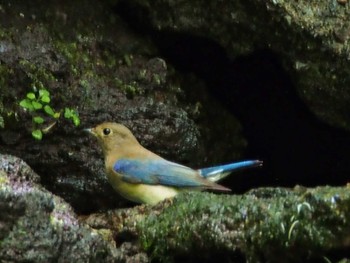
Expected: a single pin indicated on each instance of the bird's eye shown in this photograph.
(106, 131)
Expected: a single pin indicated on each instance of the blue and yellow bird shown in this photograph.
(142, 176)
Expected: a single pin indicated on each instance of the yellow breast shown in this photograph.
(140, 193)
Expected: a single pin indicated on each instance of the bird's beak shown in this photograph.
(91, 131)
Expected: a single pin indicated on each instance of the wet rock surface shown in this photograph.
(310, 38)
(38, 226)
(266, 224)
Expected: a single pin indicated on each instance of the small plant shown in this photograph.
(72, 114)
(38, 103)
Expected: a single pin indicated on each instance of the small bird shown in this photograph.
(142, 176)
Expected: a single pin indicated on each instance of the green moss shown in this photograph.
(131, 90)
(268, 223)
(4, 34)
(84, 64)
(40, 77)
(128, 59)
(6, 111)
(3, 178)
(5, 74)
(80, 58)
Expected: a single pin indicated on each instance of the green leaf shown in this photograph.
(71, 114)
(37, 105)
(31, 96)
(38, 120)
(27, 104)
(37, 134)
(44, 93)
(49, 110)
(76, 120)
(68, 113)
(57, 115)
(45, 99)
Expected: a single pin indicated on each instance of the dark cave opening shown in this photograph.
(296, 147)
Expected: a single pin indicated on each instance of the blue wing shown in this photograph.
(161, 172)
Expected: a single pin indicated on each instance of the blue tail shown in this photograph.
(218, 172)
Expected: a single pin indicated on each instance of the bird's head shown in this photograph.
(112, 135)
